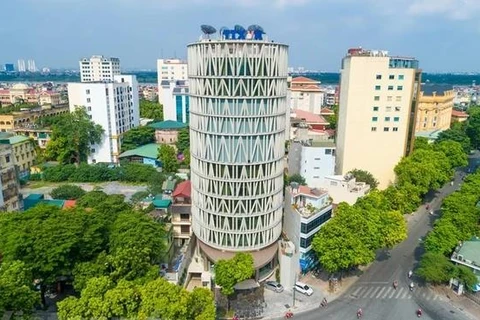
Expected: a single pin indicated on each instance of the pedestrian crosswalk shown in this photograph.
(388, 292)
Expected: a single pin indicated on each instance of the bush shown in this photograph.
(67, 192)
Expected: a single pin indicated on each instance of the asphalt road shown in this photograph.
(374, 293)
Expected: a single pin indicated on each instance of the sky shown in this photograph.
(442, 34)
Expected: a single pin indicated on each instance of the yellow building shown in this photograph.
(377, 97)
(9, 184)
(23, 151)
(49, 97)
(25, 119)
(434, 111)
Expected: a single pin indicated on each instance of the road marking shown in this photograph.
(435, 297)
(368, 292)
(393, 293)
(399, 293)
(380, 293)
(354, 293)
(404, 294)
(387, 293)
(374, 292)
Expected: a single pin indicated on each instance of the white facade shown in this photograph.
(306, 94)
(170, 70)
(237, 132)
(114, 106)
(345, 189)
(318, 161)
(175, 100)
(377, 94)
(99, 69)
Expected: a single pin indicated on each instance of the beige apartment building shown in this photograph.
(434, 110)
(378, 95)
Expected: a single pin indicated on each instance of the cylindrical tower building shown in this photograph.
(238, 103)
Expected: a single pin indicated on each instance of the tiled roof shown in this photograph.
(146, 151)
(304, 79)
(69, 204)
(459, 114)
(183, 189)
(308, 192)
(327, 111)
(168, 125)
(310, 118)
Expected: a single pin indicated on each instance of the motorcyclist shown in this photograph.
(411, 286)
(410, 273)
(359, 312)
(395, 284)
(419, 312)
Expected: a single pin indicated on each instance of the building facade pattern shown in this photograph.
(238, 100)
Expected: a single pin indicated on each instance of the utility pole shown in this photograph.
(294, 281)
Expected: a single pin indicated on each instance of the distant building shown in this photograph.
(313, 160)
(376, 113)
(31, 66)
(114, 105)
(146, 154)
(21, 65)
(10, 199)
(26, 119)
(23, 152)
(40, 135)
(345, 189)
(459, 116)
(434, 110)
(99, 69)
(167, 131)
(49, 97)
(9, 67)
(18, 93)
(313, 121)
(306, 95)
(168, 70)
(175, 100)
(181, 213)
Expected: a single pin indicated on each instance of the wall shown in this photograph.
(434, 111)
(316, 164)
(310, 101)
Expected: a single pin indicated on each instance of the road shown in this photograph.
(374, 293)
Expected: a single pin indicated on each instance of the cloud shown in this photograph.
(453, 9)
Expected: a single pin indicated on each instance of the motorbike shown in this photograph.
(288, 315)
(419, 313)
(395, 285)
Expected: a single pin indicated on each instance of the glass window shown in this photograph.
(400, 77)
(386, 129)
(400, 88)
(398, 98)
(390, 87)
(395, 129)
(376, 98)
(308, 227)
(377, 88)
(328, 151)
(391, 77)
(374, 119)
(387, 118)
(388, 109)
(374, 129)
(379, 77)
(375, 108)
(397, 109)
(396, 119)
(389, 98)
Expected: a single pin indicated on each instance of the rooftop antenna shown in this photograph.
(207, 30)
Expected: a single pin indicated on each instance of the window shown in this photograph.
(89, 108)
(316, 168)
(400, 77)
(386, 129)
(377, 88)
(397, 108)
(328, 151)
(396, 119)
(390, 87)
(92, 150)
(90, 116)
(398, 98)
(395, 129)
(375, 108)
(391, 77)
(389, 98)
(376, 98)
(379, 77)
(7, 159)
(374, 129)
(89, 100)
(388, 109)
(374, 119)
(88, 91)
(184, 229)
(399, 88)
(387, 118)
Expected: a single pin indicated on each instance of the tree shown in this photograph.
(435, 268)
(17, 288)
(137, 137)
(72, 137)
(365, 176)
(186, 157)
(67, 192)
(466, 276)
(456, 133)
(232, 271)
(201, 304)
(183, 142)
(168, 157)
(333, 119)
(296, 178)
(405, 198)
(151, 110)
(91, 199)
(473, 129)
(421, 143)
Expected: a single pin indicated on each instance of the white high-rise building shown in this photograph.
(99, 69)
(176, 101)
(169, 70)
(21, 65)
(378, 94)
(238, 101)
(31, 66)
(113, 105)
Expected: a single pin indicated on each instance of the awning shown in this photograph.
(246, 285)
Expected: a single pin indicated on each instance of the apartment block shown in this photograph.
(435, 105)
(181, 213)
(170, 70)
(23, 151)
(175, 100)
(114, 105)
(378, 98)
(99, 69)
(10, 198)
(306, 95)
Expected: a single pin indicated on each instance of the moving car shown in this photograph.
(274, 286)
(303, 288)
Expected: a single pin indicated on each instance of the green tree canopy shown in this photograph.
(296, 178)
(151, 110)
(365, 176)
(456, 133)
(168, 157)
(435, 268)
(72, 136)
(232, 271)
(91, 199)
(16, 288)
(473, 129)
(183, 142)
(453, 151)
(333, 119)
(67, 192)
(137, 137)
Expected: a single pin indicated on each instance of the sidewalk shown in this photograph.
(461, 303)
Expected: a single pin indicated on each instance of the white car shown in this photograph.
(303, 288)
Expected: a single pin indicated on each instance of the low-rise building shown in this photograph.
(146, 154)
(27, 118)
(434, 111)
(459, 116)
(10, 198)
(345, 188)
(468, 255)
(181, 213)
(18, 93)
(306, 210)
(40, 136)
(23, 152)
(306, 95)
(166, 132)
(313, 121)
(49, 97)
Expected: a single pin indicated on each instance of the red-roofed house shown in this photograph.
(327, 112)
(459, 116)
(314, 121)
(181, 212)
(306, 94)
(69, 204)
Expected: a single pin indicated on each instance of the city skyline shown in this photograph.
(318, 32)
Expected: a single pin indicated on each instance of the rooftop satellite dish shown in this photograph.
(255, 27)
(239, 28)
(208, 30)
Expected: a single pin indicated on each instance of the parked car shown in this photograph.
(274, 286)
(303, 288)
